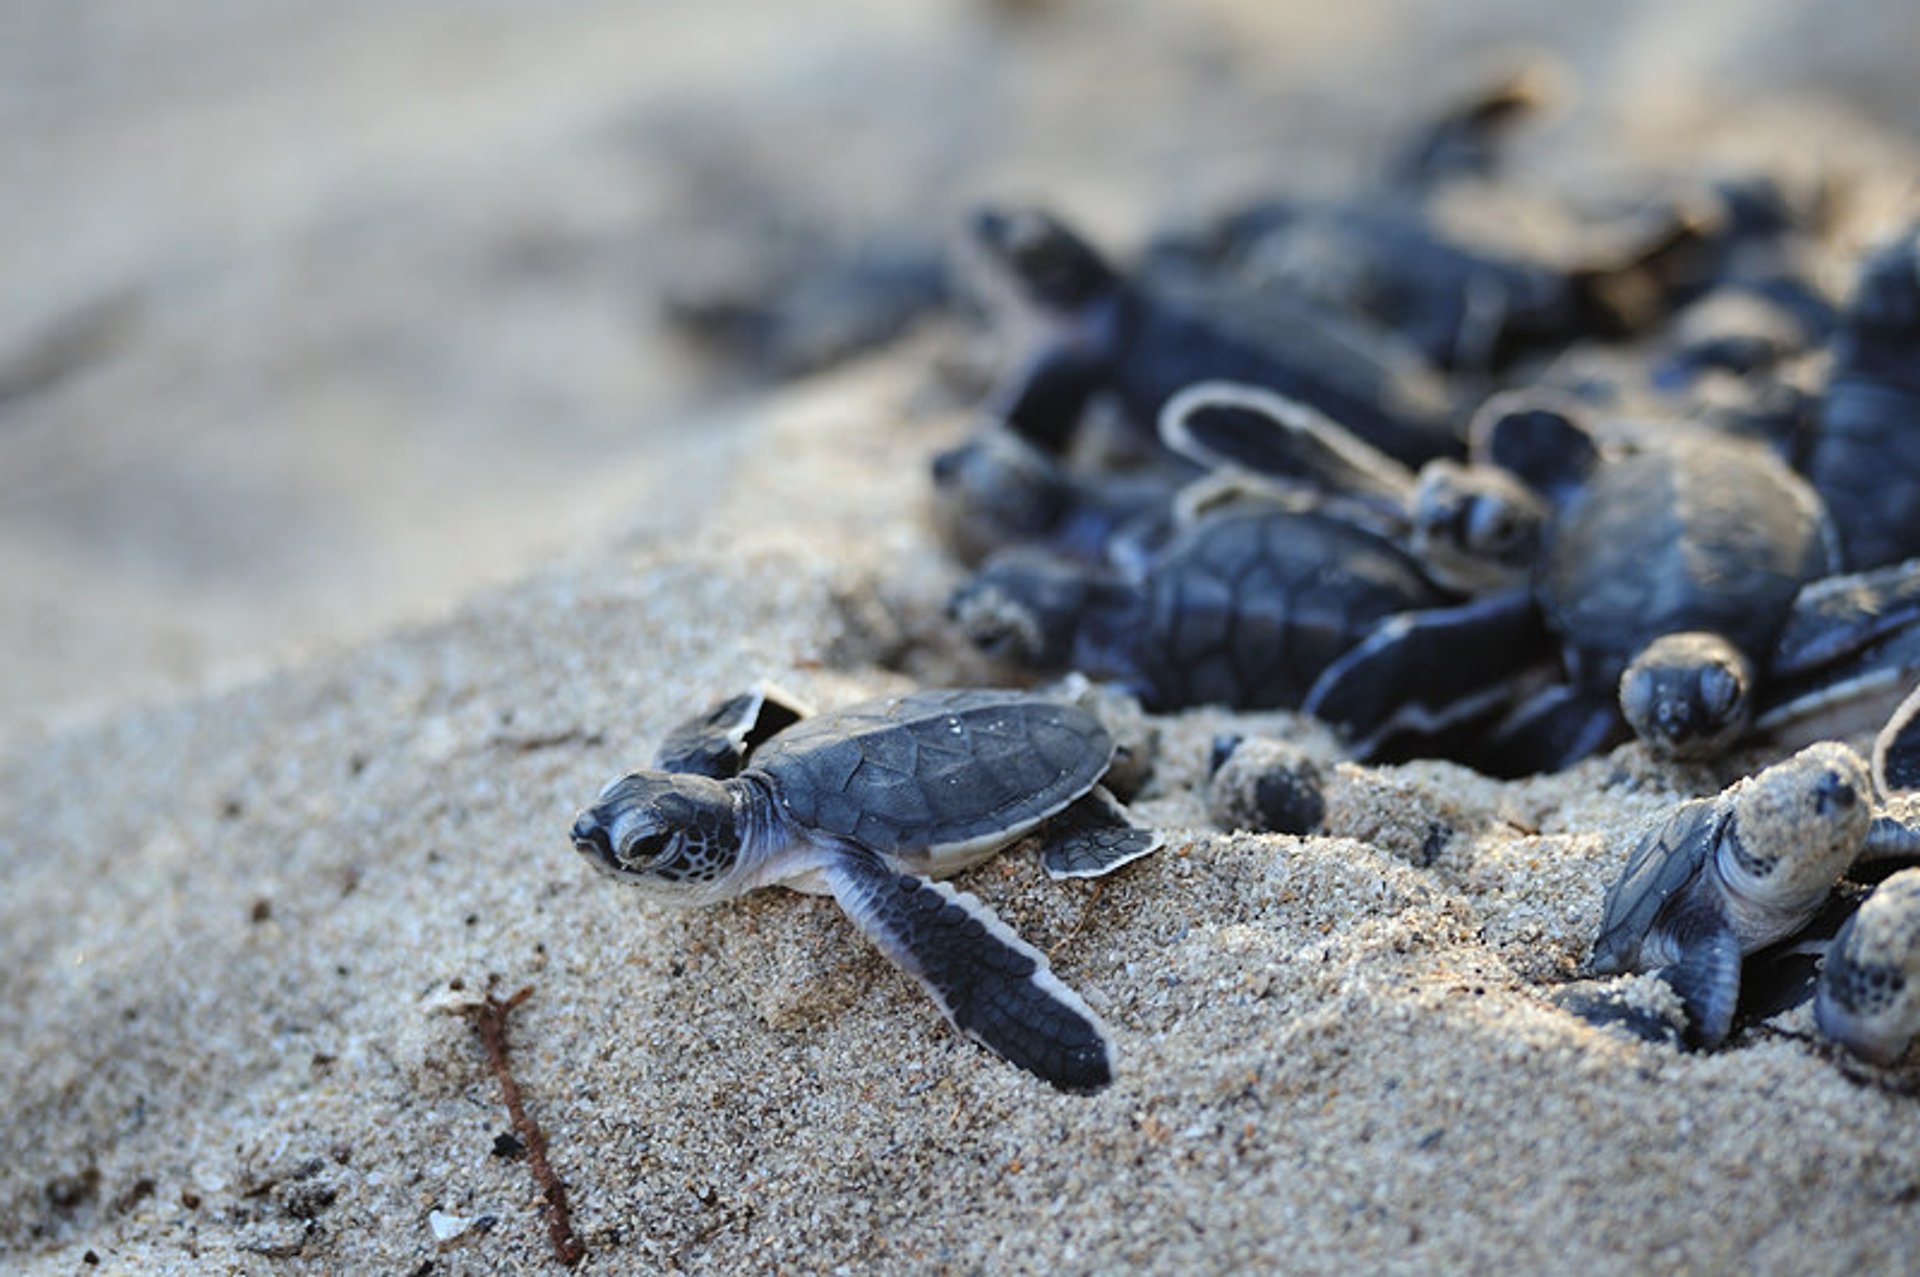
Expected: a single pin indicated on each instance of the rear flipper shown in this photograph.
(718, 742)
(1094, 836)
(992, 985)
(1423, 672)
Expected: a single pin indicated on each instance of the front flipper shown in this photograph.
(1094, 836)
(993, 986)
(718, 742)
(1706, 974)
(1551, 732)
(1423, 672)
(1896, 750)
(1838, 617)
(1227, 423)
(1539, 435)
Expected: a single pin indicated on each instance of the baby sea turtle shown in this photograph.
(1667, 574)
(1866, 454)
(1087, 330)
(1721, 877)
(870, 804)
(1868, 997)
(1244, 607)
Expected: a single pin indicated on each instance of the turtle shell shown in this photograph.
(935, 771)
(1699, 536)
(1248, 609)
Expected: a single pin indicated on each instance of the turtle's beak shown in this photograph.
(590, 839)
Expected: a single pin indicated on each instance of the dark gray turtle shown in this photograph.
(1719, 878)
(1085, 330)
(1667, 576)
(1462, 308)
(1868, 996)
(1244, 607)
(870, 804)
(1866, 454)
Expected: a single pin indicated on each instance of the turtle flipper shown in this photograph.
(1896, 750)
(995, 987)
(1426, 671)
(1464, 140)
(1094, 836)
(1226, 423)
(1539, 435)
(1551, 732)
(718, 741)
(1706, 974)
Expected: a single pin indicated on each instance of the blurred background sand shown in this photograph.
(316, 317)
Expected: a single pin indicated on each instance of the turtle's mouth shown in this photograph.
(591, 840)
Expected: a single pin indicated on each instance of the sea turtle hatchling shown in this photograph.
(1243, 607)
(1691, 583)
(1865, 460)
(1868, 998)
(1088, 331)
(1868, 995)
(870, 804)
(1722, 877)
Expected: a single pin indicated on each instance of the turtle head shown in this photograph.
(997, 489)
(1688, 695)
(1795, 828)
(1048, 265)
(1868, 999)
(1886, 300)
(1026, 608)
(673, 836)
(1476, 527)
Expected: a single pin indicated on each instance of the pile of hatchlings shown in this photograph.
(1319, 455)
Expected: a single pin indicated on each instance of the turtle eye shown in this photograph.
(1720, 691)
(642, 853)
(1492, 525)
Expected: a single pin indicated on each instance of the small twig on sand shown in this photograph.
(490, 1017)
(1086, 911)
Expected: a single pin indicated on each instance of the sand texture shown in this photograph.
(237, 929)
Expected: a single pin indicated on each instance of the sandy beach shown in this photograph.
(371, 533)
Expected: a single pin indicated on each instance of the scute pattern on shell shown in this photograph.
(1253, 607)
(935, 769)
